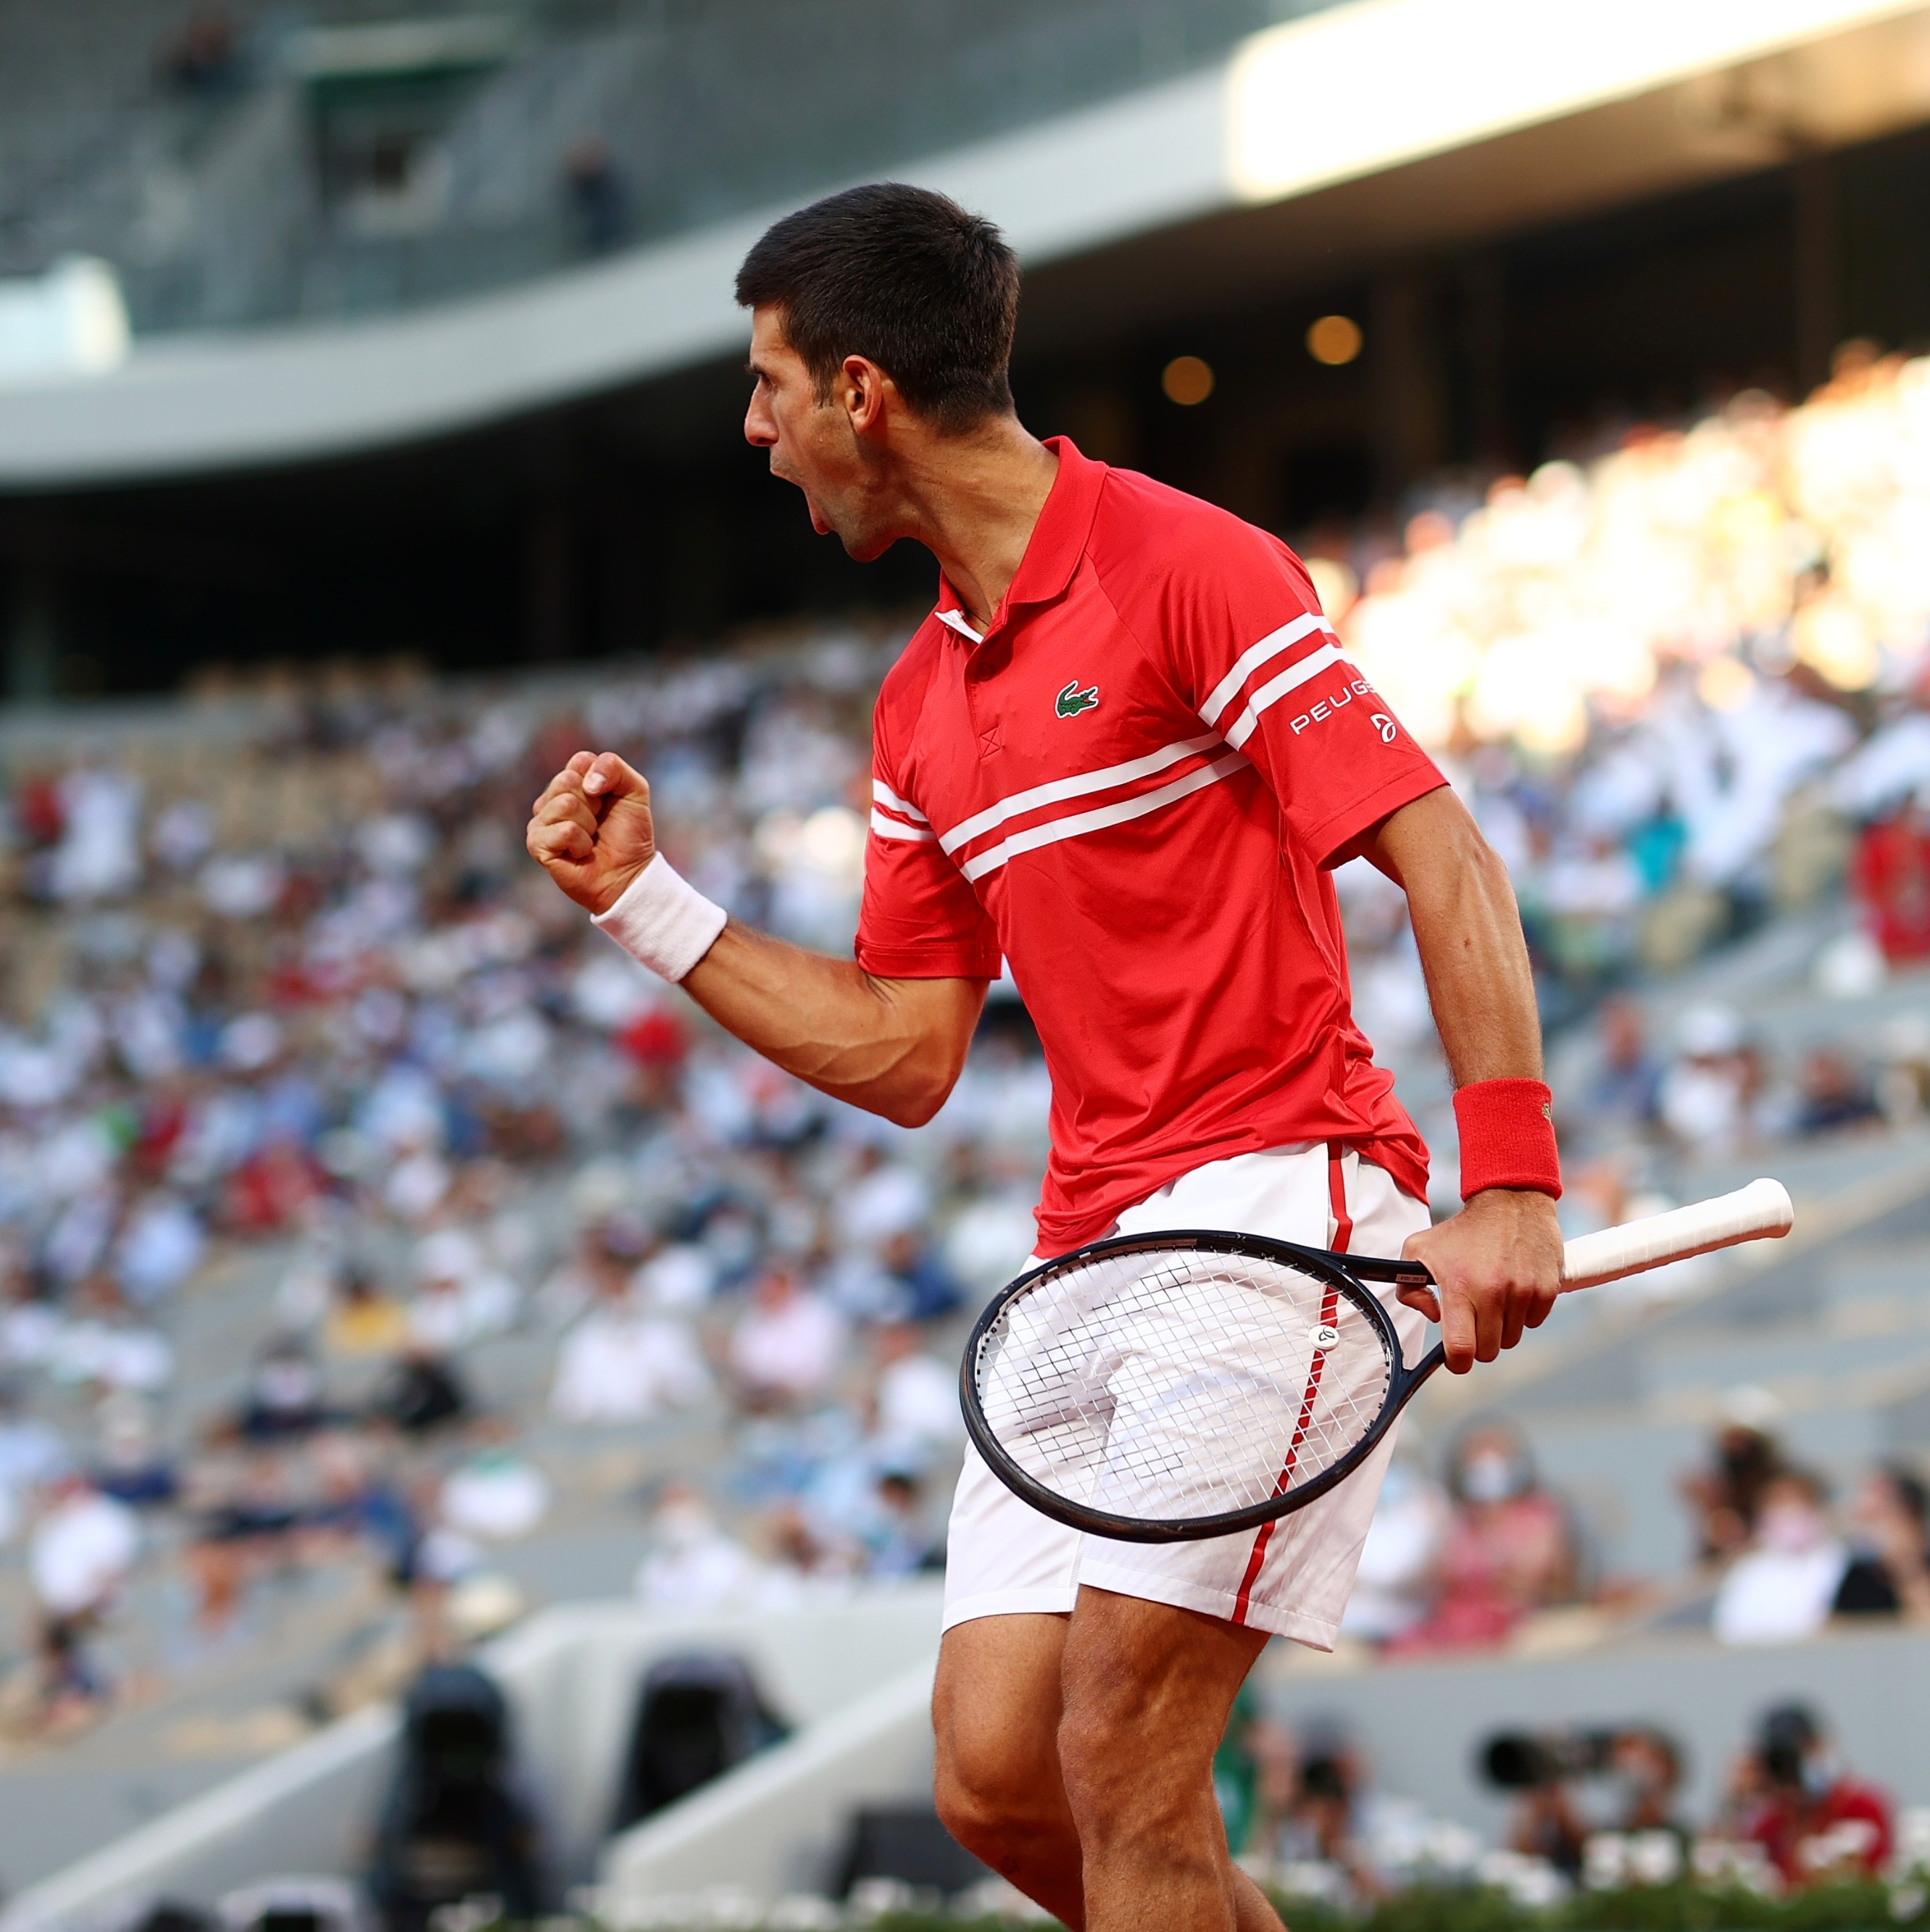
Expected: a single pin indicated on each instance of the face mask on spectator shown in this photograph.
(1789, 1529)
(1491, 1478)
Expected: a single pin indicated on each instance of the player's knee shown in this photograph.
(1120, 1800)
(987, 1799)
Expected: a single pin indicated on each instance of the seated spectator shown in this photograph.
(1726, 1496)
(692, 1564)
(1889, 1571)
(30, 1454)
(1621, 1099)
(421, 1392)
(1509, 1551)
(1781, 1587)
(787, 1346)
(926, 1288)
(249, 1529)
(1313, 1802)
(883, 1199)
(1793, 1796)
(621, 1363)
(286, 1400)
(897, 1540)
(80, 1554)
(497, 1494)
(1394, 1586)
(81, 1550)
(363, 1320)
(132, 1467)
(1834, 1095)
(1703, 1096)
(917, 1395)
(1646, 1766)
(1890, 873)
(461, 1299)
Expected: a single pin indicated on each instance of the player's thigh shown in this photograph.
(1148, 1687)
(995, 1713)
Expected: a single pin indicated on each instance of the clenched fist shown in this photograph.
(591, 829)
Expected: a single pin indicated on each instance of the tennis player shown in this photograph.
(1124, 753)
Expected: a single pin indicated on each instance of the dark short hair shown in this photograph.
(907, 279)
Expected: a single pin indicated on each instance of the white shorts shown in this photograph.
(1291, 1577)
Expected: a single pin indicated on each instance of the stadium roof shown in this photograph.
(1358, 132)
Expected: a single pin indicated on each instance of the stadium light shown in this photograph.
(1357, 88)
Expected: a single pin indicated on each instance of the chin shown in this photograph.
(865, 546)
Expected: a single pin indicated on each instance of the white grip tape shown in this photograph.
(663, 921)
(1760, 1210)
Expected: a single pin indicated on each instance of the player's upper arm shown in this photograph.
(1259, 660)
(918, 918)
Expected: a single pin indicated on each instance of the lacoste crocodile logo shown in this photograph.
(1072, 700)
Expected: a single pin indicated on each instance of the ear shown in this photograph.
(866, 393)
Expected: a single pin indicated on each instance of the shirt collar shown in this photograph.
(1057, 543)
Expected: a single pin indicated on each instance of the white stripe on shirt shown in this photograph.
(1223, 693)
(1076, 787)
(1077, 824)
(890, 828)
(1312, 665)
(883, 793)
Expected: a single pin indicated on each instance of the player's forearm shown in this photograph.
(891, 1047)
(1468, 931)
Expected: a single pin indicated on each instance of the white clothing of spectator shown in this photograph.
(1700, 1097)
(1781, 1590)
(618, 1366)
(788, 1342)
(990, 1239)
(885, 1199)
(159, 1248)
(692, 1564)
(496, 1495)
(99, 855)
(918, 1394)
(81, 1549)
(115, 1354)
(462, 1299)
(1404, 1541)
(678, 1279)
(30, 1332)
(417, 1184)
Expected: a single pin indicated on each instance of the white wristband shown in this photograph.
(663, 920)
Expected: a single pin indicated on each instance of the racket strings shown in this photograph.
(1169, 1386)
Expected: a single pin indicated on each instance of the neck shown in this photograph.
(972, 500)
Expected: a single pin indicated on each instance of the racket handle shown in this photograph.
(1760, 1211)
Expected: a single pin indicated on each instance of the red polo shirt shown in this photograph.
(1133, 786)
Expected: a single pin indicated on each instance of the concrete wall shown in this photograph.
(572, 1675)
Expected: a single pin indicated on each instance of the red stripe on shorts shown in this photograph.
(1343, 1233)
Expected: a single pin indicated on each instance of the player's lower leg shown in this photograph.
(995, 1711)
(1147, 1690)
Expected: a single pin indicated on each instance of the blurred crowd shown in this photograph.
(346, 1173)
(344, 1166)
(1605, 1808)
(1470, 1562)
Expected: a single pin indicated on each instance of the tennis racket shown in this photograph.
(1161, 1388)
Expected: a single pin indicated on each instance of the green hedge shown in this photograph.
(1683, 1907)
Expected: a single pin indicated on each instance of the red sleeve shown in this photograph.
(920, 920)
(1249, 651)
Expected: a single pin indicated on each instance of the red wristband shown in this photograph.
(1507, 1137)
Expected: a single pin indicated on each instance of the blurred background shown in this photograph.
(454, 1402)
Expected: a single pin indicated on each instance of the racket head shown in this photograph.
(1166, 1387)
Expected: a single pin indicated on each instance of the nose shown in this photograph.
(759, 427)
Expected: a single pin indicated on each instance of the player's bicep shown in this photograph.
(918, 918)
